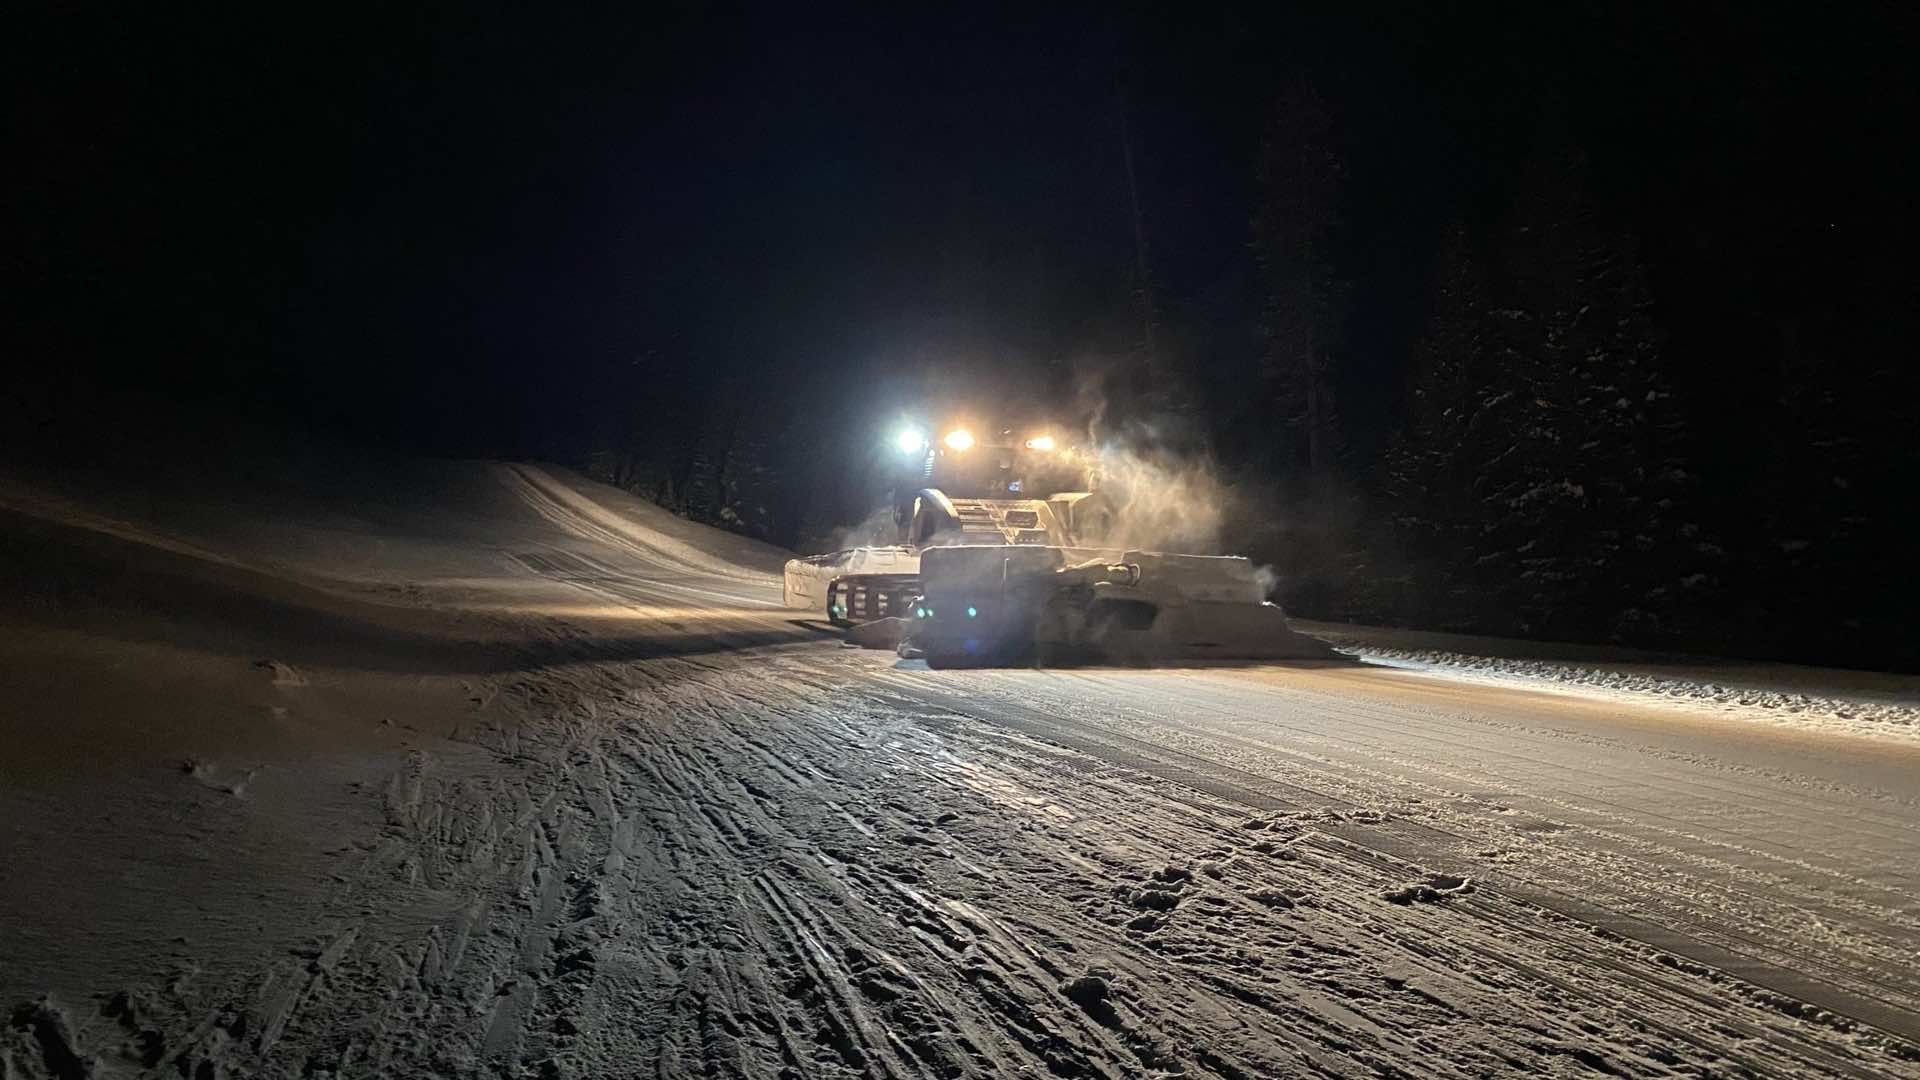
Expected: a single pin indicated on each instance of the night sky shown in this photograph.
(434, 226)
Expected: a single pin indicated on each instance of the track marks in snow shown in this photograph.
(1165, 754)
(1666, 841)
(760, 866)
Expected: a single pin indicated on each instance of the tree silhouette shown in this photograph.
(1301, 171)
(1542, 484)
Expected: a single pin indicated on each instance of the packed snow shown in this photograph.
(469, 770)
(1854, 702)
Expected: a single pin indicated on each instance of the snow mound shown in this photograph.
(1857, 702)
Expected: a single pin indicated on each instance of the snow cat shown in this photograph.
(1034, 490)
(1005, 553)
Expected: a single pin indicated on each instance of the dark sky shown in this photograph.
(441, 226)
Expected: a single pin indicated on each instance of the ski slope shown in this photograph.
(503, 773)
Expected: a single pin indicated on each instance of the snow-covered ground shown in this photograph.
(477, 770)
(1853, 702)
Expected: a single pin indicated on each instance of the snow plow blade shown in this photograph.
(997, 605)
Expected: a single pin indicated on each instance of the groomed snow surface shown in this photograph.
(468, 770)
(1854, 702)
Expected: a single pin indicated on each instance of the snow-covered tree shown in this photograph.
(1586, 522)
(1542, 484)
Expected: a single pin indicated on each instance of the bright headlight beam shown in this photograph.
(910, 441)
(1041, 442)
(959, 439)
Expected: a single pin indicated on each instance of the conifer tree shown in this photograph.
(1301, 173)
(1542, 483)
